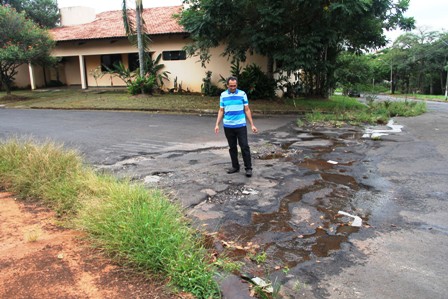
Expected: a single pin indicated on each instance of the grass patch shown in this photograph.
(423, 97)
(44, 171)
(120, 100)
(135, 226)
(335, 103)
(336, 111)
(375, 112)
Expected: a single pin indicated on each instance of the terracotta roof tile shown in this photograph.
(109, 24)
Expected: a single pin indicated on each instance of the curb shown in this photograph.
(181, 111)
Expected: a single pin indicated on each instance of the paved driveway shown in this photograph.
(112, 136)
(289, 207)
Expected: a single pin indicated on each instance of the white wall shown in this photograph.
(76, 15)
(188, 72)
(22, 79)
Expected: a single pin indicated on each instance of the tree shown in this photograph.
(352, 70)
(135, 31)
(43, 12)
(418, 61)
(298, 35)
(22, 42)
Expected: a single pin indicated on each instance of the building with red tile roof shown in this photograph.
(109, 24)
(100, 40)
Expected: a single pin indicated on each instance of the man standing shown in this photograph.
(233, 110)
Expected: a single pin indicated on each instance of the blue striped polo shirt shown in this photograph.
(233, 104)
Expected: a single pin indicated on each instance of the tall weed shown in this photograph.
(144, 229)
(136, 226)
(42, 171)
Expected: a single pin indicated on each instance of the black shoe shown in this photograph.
(233, 170)
(248, 173)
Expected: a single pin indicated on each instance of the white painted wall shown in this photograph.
(188, 72)
(22, 79)
(76, 15)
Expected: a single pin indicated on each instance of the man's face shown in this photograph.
(232, 85)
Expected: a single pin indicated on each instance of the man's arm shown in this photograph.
(218, 119)
(249, 118)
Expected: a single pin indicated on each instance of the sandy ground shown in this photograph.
(39, 259)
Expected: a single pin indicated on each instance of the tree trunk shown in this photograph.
(141, 50)
(270, 66)
(45, 76)
(5, 84)
(7, 88)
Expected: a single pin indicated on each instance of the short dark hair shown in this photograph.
(232, 78)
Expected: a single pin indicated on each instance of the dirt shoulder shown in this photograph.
(39, 259)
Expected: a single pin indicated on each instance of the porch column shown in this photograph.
(83, 72)
(32, 83)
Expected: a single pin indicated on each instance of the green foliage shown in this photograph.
(352, 71)
(138, 227)
(96, 73)
(256, 83)
(22, 42)
(228, 265)
(208, 88)
(415, 64)
(45, 172)
(134, 25)
(143, 229)
(154, 68)
(403, 108)
(252, 80)
(135, 83)
(260, 258)
(142, 84)
(42, 12)
(121, 71)
(298, 35)
(375, 113)
(417, 61)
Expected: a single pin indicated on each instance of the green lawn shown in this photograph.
(119, 100)
(424, 97)
(338, 109)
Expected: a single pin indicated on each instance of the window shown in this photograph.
(109, 61)
(174, 55)
(133, 61)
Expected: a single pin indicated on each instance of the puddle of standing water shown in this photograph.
(340, 179)
(290, 238)
(315, 164)
(306, 225)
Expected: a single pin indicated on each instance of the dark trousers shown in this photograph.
(234, 136)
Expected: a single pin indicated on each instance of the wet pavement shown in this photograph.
(283, 223)
(287, 212)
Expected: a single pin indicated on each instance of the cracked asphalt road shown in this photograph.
(288, 208)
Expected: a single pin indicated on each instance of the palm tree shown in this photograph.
(133, 30)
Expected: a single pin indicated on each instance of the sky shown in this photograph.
(105, 5)
(429, 14)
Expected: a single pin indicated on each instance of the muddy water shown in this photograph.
(306, 225)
